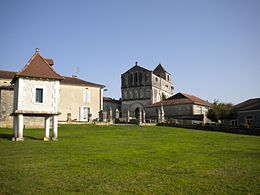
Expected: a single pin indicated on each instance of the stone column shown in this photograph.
(55, 128)
(158, 115)
(20, 128)
(47, 129)
(104, 116)
(100, 116)
(162, 114)
(140, 117)
(143, 116)
(110, 115)
(127, 116)
(15, 127)
(117, 114)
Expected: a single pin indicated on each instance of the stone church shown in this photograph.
(141, 88)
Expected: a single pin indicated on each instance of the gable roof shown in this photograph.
(251, 104)
(160, 69)
(7, 74)
(38, 67)
(182, 98)
(79, 82)
(66, 80)
(137, 67)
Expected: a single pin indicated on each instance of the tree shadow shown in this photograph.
(9, 137)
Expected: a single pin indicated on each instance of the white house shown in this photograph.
(36, 94)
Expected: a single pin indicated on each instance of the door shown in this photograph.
(84, 113)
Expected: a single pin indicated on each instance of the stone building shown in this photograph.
(114, 105)
(180, 108)
(247, 112)
(141, 87)
(36, 94)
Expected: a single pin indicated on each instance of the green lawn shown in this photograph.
(90, 159)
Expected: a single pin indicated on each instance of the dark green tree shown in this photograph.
(220, 112)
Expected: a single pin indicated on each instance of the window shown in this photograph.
(39, 95)
(136, 74)
(140, 78)
(131, 79)
(86, 96)
(249, 120)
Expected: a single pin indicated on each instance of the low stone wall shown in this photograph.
(220, 128)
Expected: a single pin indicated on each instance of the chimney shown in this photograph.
(37, 50)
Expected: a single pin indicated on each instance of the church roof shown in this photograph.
(136, 66)
(251, 104)
(160, 69)
(38, 67)
(182, 98)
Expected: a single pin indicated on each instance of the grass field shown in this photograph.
(90, 159)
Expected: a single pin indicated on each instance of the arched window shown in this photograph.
(131, 79)
(140, 78)
(136, 79)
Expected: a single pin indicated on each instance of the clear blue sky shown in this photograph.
(211, 47)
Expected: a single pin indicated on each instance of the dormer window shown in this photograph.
(39, 95)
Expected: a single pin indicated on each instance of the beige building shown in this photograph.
(80, 100)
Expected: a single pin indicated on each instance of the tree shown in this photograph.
(220, 112)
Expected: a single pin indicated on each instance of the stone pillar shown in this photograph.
(158, 115)
(46, 129)
(20, 128)
(140, 117)
(55, 128)
(104, 116)
(143, 116)
(117, 114)
(162, 114)
(110, 115)
(69, 117)
(127, 116)
(100, 116)
(15, 127)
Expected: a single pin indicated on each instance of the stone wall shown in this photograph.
(6, 109)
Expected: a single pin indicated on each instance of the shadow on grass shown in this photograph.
(6, 136)
(9, 137)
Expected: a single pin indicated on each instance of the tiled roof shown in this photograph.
(38, 67)
(251, 104)
(76, 81)
(182, 98)
(6, 74)
(66, 80)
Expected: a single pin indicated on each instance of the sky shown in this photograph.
(211, 47)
